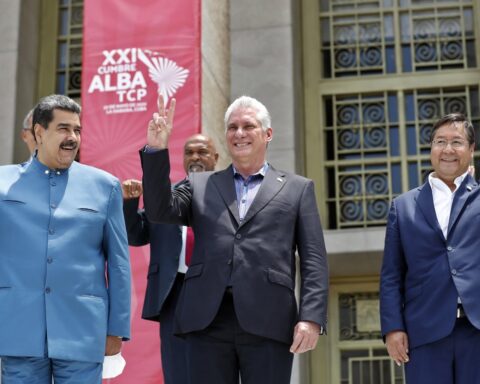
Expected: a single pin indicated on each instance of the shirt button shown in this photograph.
(53, 206)
(47, 172)
(47, 290)
(51, 231)
(238, 236)
(58, 173)
(454, 272)
(53, 184)
(229, 262)
(49, 260)
(449, 248)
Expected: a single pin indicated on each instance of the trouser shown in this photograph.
(224, 351)
(41, 370)
(173, 349)
(451, 360)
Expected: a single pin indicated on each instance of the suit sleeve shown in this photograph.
(138, 230)
(313, 260)
(118, 267)
(392, 277)
(162, 203)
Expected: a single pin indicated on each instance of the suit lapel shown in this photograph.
(461, 196)
(225, 185)
(271, 185)
(426, 206)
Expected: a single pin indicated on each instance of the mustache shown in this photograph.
(69, 144)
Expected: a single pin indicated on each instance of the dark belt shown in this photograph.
(460, 311)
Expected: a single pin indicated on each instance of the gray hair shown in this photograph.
(28, 116)
(262, 114)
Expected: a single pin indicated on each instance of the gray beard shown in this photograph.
(197, 167)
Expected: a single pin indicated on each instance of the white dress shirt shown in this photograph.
(443, 199)
(182, 267)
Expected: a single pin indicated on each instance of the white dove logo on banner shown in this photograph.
(165, 73)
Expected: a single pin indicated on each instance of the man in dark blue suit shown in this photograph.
(430, 279)
(167, 258)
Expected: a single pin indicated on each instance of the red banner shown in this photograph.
(133, 50)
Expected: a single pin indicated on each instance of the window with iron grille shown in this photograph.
(387, 70)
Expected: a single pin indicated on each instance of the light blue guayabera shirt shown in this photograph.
(246, 189)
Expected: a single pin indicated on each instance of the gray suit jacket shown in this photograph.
(256, 256)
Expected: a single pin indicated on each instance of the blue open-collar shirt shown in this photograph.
(246, 189)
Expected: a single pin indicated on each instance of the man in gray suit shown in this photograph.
(237, 309)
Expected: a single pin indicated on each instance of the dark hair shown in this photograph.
(455, 118)
(43, 111)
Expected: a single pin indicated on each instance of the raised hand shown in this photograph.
(131, 188)
(160, 127)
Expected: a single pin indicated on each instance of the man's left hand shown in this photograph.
(305, 337)
(113, 345)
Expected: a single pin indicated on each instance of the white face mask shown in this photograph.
(113, 366)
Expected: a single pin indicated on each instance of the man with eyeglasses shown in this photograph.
(430, 279)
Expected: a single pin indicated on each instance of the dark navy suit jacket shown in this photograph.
(165, 246)
(423, 274)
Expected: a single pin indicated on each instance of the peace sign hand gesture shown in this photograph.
(160, 127)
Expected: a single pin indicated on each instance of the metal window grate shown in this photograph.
(372, 155)
(69, 51)
(359, 36)
(359, 316)
(373, 370)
